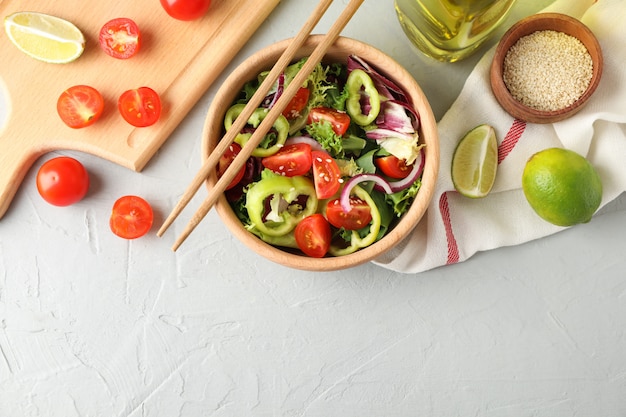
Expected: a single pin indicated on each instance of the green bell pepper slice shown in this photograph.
(356, 241)
(285, 241)
(358, 83)
(281, 125)
(285, 211)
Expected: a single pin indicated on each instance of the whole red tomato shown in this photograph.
(186, 9)
(62, 181)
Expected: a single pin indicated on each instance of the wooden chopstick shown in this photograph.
(316, 57)
(241, 121)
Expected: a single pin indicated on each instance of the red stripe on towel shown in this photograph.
(453, 249)
(511, 139)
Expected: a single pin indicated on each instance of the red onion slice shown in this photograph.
(280, 87)
(382, 184)
(415, 173)
(315, 145)
(344, 198)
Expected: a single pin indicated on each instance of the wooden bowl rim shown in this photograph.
(544, 21)
(262, 60)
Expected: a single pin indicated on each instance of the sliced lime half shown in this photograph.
(45, 37)
(475, 162)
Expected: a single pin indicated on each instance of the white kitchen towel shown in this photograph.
(455, 227)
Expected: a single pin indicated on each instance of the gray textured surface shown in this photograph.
(91, 325)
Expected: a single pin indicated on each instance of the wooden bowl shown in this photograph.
(543, 21)
(264, 60)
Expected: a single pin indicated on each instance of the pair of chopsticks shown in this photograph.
(285, 59)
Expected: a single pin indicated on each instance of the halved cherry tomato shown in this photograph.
(62, 181)
(393, 167)
(80, 106)
(120, 38)
(226, 159)
(297, 104)
(131, 217)
(326, 174)
(291, 160)
(313, 235)
(339, 120)
(186, 9)
(359, 216)
(140, 107)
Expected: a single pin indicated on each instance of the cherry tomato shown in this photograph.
(131, 217)
(326, 174)
(120, 38)
(359, 216)
(226, 159)
(313, 235)
(62, 181)
(339, 120)
(290, 160)
(297, 104)
(186, 9)
(140, 107)
(393, 167)
(80, 106)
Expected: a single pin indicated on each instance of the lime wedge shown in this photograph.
(44, 37)
(475, 162)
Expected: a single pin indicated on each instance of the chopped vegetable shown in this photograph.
(276, 204)
(339, 120)
(80, 106)
(369, 234)
(313, 235)
(141, 107)
(393, 166)
(359, 215)
(226, 159)
(291, 160)
(273, 140)
(296, 106)
(339, 169)
(362, 95)
(326, 174)
(120, 38)
(131, 217)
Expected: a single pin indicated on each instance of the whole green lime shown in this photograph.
(562, 186)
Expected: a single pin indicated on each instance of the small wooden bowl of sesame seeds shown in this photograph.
(546, 67)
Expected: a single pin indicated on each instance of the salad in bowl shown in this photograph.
(348, 168)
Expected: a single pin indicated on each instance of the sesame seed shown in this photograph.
(547, 70)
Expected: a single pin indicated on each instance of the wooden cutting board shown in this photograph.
(179, 60)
